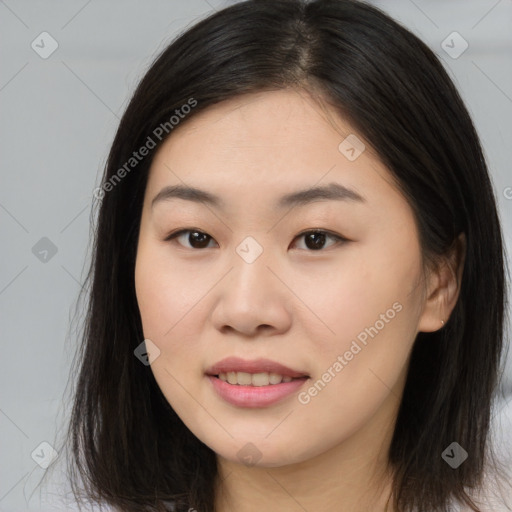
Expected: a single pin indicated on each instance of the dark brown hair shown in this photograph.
(129, 448)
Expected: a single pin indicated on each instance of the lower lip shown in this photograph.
(255, 396)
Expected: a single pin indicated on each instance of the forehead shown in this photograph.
(271, 142)
(269, 118)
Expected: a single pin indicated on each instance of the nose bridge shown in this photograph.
(250, 273)
(251, 296)
(251, 286)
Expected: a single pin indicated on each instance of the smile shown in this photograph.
(254, 379)
(255, 395)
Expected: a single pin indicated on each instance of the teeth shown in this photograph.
(274, 378)
(253, 379)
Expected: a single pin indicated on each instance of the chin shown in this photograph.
(263, 453)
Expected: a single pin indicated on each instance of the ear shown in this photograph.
(443, 287)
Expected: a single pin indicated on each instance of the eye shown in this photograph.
(315, 239)
(197, 239)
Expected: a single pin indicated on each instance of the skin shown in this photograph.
(300, 307)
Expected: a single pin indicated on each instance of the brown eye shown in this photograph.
(196, 239)
(315, 240)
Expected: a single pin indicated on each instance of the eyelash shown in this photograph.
(339, 239)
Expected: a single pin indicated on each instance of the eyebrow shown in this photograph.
(330, 192)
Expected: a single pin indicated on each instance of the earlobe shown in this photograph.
(443, 287)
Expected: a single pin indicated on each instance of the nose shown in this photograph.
(252, 300)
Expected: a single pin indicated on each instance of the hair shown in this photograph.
(129, 448)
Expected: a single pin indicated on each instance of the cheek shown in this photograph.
(165, 294)
(168, 302)
(153, 293)
(352, 296)
(372, 305)
(174, 308)
(374, 316)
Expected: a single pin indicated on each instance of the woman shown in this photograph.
(297, 294)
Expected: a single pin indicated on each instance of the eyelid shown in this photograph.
(323, 231)
(339, 238)
(180, 231)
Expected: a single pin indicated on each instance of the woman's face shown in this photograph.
(253, 279)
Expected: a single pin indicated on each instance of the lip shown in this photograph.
(236, 364)
(255, 396)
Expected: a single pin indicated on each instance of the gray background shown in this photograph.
(58, 118)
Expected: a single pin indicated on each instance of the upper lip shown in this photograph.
(236, 364)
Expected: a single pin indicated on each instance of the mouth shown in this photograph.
(258, 372)
(255, 379)
(253, 384)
